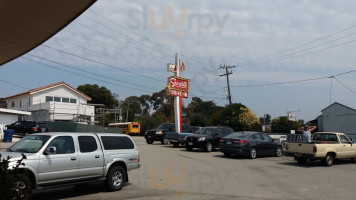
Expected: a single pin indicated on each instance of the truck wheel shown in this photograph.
(253, 153)
(279, 151)
(149, 141)
(188, 148)
(208, 147)
(164, 141)
(25, 134)
(115, 179)
(176, 144)
(23, 186)
(329, 159)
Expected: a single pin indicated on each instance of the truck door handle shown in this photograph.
(73, 158)
(97, 156)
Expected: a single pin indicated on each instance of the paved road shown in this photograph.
(173, 173)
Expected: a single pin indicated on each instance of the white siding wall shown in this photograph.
(339, 119)
(51, 111)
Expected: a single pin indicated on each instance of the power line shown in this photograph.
(112, 58)
(345, 85)
(79, 74)
(144, 37)
(296, 81)
(15, 85)
(305, 44)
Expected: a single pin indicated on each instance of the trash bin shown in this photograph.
(8, 135)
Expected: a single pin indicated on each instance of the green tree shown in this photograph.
(248, 120)
(198, 119)
(283, 125)
(223, 117)
(99, 95)
(206, 108)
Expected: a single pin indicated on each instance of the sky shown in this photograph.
(287, 55)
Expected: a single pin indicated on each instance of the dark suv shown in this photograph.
(207, 138)
(24, 128)
(159, 133)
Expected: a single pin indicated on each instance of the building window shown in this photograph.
(65, 100)
(73, 101)
(49, 98)
(29, 101)
(13, 104)
(57, 99)
(20, 103)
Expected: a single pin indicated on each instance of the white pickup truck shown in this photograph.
(325, 146)
(60, 159)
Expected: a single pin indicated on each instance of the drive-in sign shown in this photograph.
(179, 93)
(178, 83)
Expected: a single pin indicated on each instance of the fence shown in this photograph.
(82, 128)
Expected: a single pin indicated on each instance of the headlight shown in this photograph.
(159, 132)
(202, 139)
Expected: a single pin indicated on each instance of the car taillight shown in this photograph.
(35, 128)
(177, 135)
(221, 140)
(138, 158)
(240, 141)
(315, 149)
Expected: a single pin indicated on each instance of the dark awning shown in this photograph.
(25, 24)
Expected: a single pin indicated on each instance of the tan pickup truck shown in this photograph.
(325, 146)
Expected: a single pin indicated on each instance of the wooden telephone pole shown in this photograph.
(228, 84)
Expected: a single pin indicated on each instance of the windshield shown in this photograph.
(207, 131)
(29, 144)
(166, 126)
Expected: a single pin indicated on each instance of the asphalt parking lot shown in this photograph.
(174, 173)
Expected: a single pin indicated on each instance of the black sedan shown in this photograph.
(250, 144)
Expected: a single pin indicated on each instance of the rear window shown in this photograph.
(238, 135)
(116, 142)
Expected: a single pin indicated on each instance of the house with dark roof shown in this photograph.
(54, 102)
(338, 118)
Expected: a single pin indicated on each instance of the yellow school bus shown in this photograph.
(129, 128)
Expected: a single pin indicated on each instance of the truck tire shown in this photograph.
(253, 153)
(23, 185)
(279, 151)
(164, 141)
(149, 141)
(329, 159)
(208, 147)
(25, 134)
(115, 179)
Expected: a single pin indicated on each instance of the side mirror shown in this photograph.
(50, 150)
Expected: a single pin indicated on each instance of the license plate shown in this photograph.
(190, 143)
(228, 142)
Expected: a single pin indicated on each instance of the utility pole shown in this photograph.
(228, 84)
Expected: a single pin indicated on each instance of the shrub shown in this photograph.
(10, 178)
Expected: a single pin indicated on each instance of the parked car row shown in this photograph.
(24, 128)
(251, 144)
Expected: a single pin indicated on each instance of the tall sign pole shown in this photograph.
(179, 88)
(177, 101)
(228, 84)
